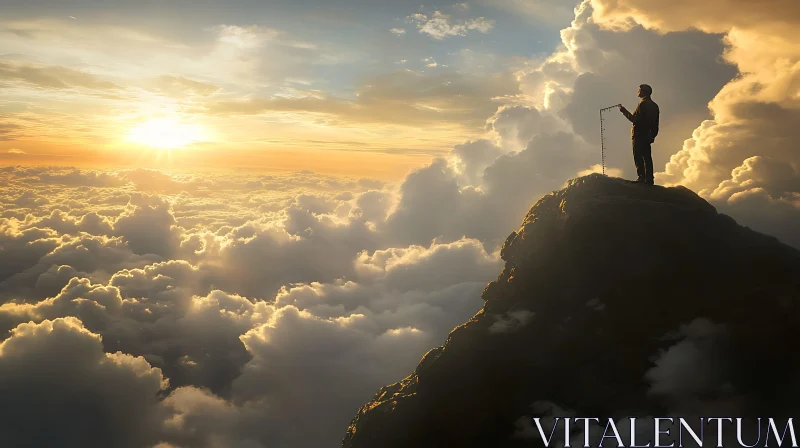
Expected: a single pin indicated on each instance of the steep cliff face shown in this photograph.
(616, 300)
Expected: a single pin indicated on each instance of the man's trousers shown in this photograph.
(643, 158)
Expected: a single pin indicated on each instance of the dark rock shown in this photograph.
(601, 279)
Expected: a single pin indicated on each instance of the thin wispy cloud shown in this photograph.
(441, 26)
(252, 36)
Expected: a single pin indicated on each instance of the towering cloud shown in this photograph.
(745, 158)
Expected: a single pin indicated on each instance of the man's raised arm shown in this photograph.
(633, 117)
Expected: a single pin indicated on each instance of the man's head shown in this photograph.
(645, 91)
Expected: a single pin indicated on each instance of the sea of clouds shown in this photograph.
(226, 309)
(242, 309)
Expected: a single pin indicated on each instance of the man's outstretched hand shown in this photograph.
(621, 108)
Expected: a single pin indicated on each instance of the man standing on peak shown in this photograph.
(643, 133)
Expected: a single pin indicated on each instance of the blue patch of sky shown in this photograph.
(353, 32)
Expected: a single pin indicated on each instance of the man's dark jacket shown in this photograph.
(644, 119)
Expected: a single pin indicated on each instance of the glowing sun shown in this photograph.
(164, 133)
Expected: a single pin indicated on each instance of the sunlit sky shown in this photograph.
(231, 222)
(343, 86)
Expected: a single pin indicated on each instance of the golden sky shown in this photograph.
(337, 89)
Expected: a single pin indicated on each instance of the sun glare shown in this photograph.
(165, 133)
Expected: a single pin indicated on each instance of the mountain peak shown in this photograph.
(602, 281)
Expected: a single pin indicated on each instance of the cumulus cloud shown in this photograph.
(704, 352)
(198, 418)
(511, 321)
(731, 75)
(93, 398)
(710, 16)
(99, 255)
(484, 190)
(238, 312)
(701, 374)
(515, 125)
(16, 151)
(596, 68)
(735, 153)
(149, 227)
(341, 348)
(65, 223)
(275, 305)
(156, 181)
(23, 248)
(80, 178)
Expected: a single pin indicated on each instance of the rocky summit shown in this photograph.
(617, 299)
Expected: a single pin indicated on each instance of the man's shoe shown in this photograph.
(638, 181)
(650, 182)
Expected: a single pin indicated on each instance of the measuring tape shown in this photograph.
(603, 139)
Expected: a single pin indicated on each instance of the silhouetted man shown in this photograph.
(643, 133)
